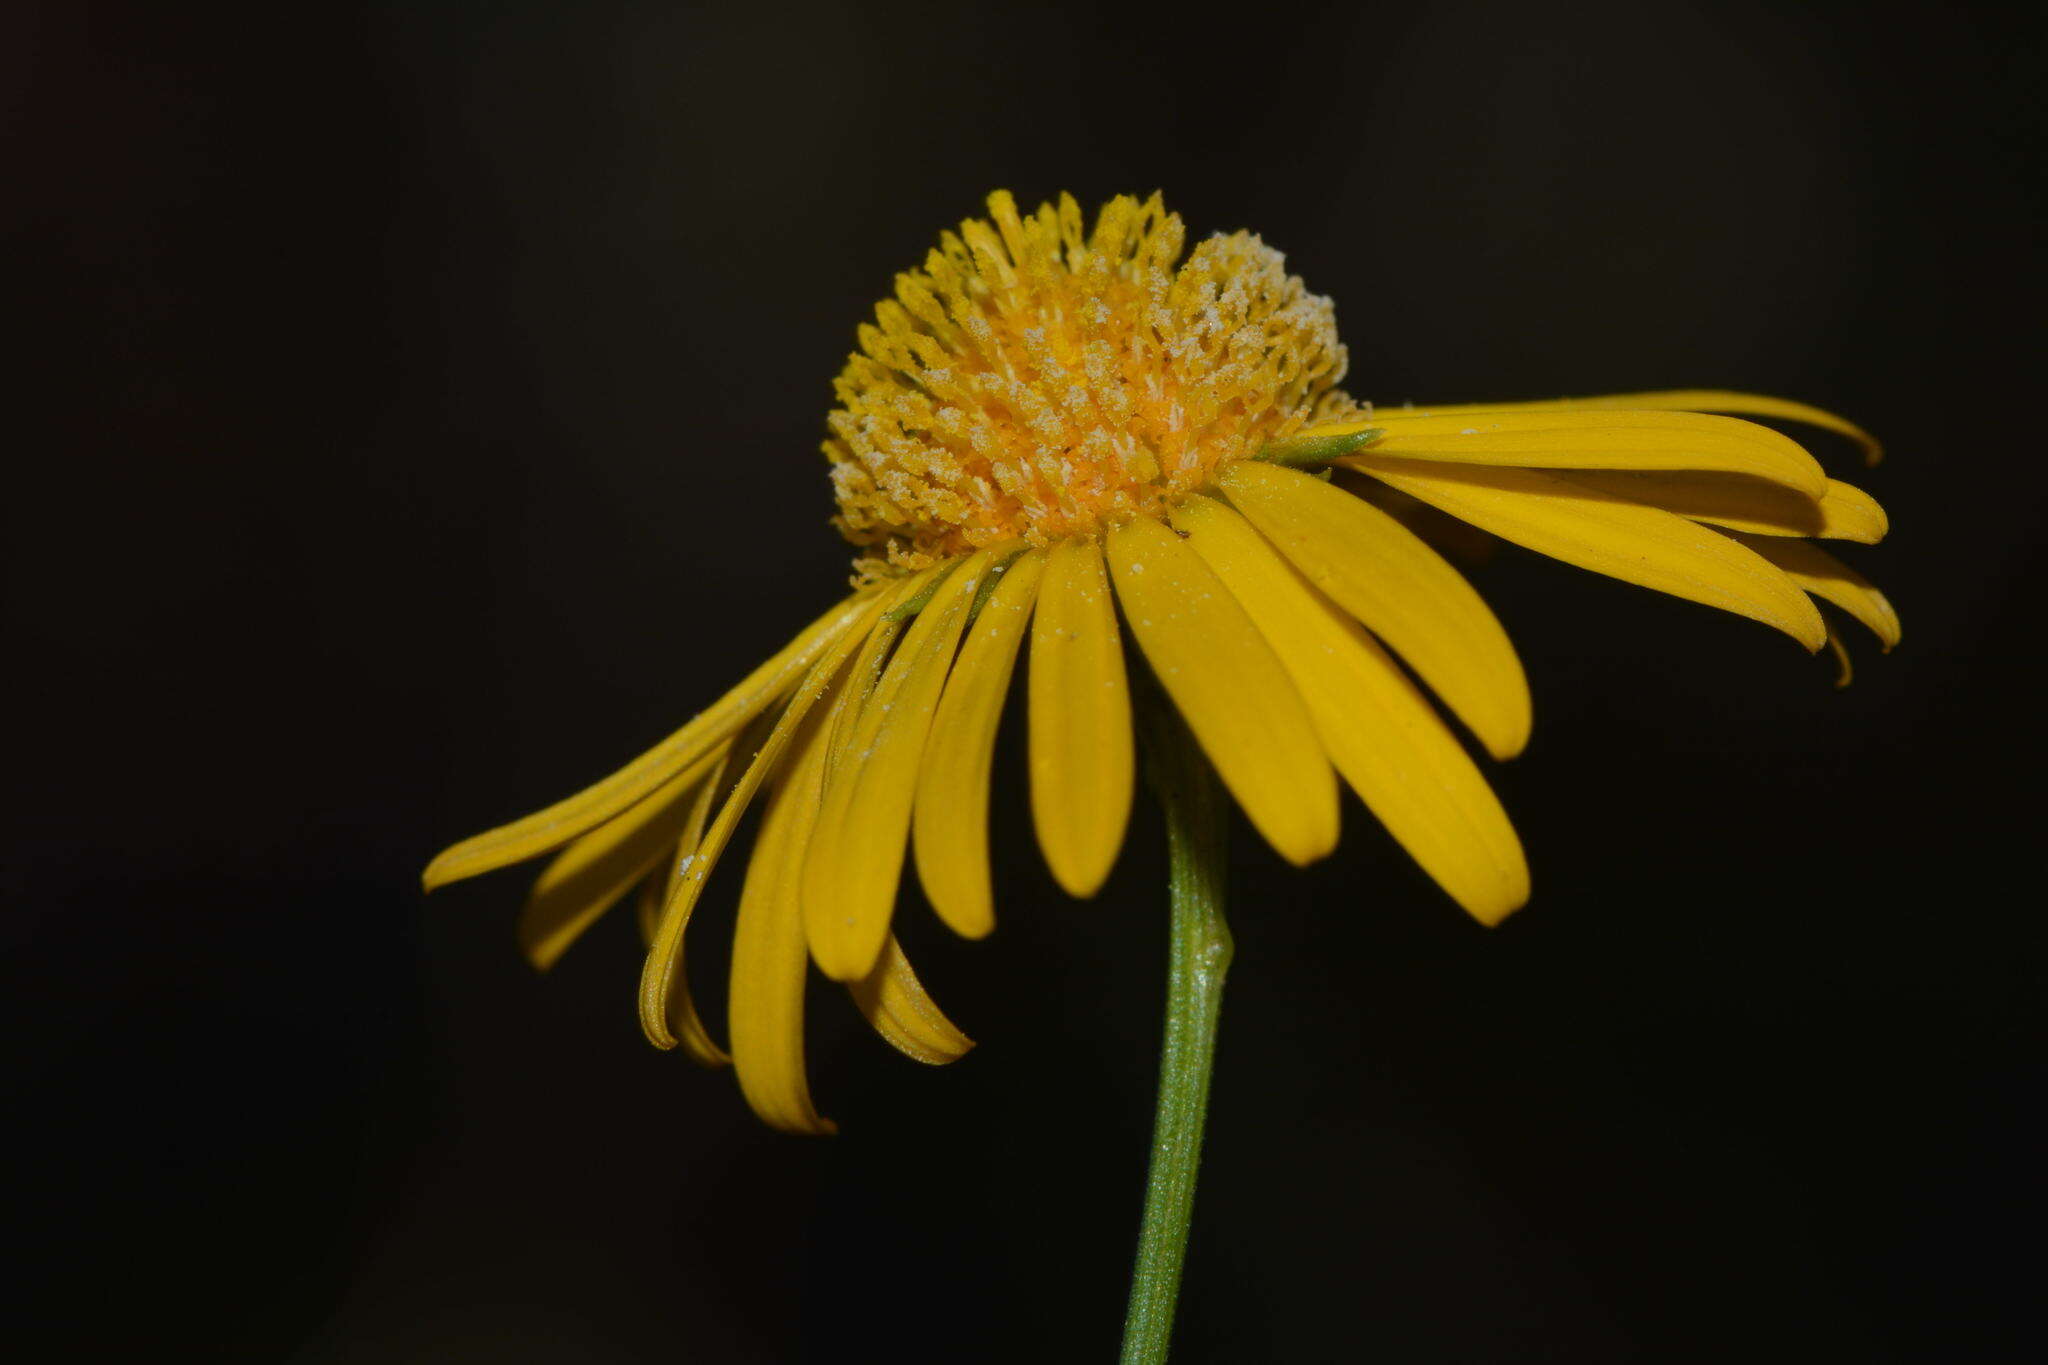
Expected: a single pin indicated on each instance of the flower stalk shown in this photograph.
(1198, 959)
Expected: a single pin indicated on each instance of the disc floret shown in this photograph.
(1033, 382)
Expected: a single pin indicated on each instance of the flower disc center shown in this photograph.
(1033, 380)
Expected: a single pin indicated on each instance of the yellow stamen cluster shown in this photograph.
(1034, 381)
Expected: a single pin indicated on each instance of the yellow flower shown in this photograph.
(1048, 427)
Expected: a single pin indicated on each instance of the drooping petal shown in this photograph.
(898, 1008)
(1382, 733)
(589, 876)
(658, 977)
(1609, 535)
(1231, 688)
(1082, 766)
(1674, 400)
(691, 1033)
(1828, 578)
(855, 858)
(950, 823)
(549, 829)
(1603, 440)
(866, 673)
(769, 952)
(1403, 591)
(1843, 512)
(647, 905)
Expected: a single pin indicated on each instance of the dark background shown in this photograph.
(418, 416)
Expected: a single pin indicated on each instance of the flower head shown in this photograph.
(1074, 437)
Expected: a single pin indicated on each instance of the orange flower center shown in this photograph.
(1032, 382)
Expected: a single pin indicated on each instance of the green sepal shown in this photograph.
(903, 611)
(1306, 452)
(989, 580)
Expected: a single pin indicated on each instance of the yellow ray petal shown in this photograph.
(691, 1033)
(1598, 440)
(661, 884)
(588, 877)
(1608, 535)
(551, 828)
(1826, 577)
(1229, 685)
(1080, 720)
(769, 953)
(647, 905)
(659, 975)
(1843, 512)
(713, 794)
(896, 1005)
(1403, 591)
(951, 816)
(1390, 744)
(855, 858)
(1675, 400)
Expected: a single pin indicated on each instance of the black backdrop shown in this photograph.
(433, 394)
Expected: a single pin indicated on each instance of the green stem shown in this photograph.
(1197, 961)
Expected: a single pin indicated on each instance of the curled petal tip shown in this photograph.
(540, 953)
(1491, 906)
(435, 875)
(1081, 885)
(834, 964)
(1506, 741)
(1493, 919)
(1301, 855)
